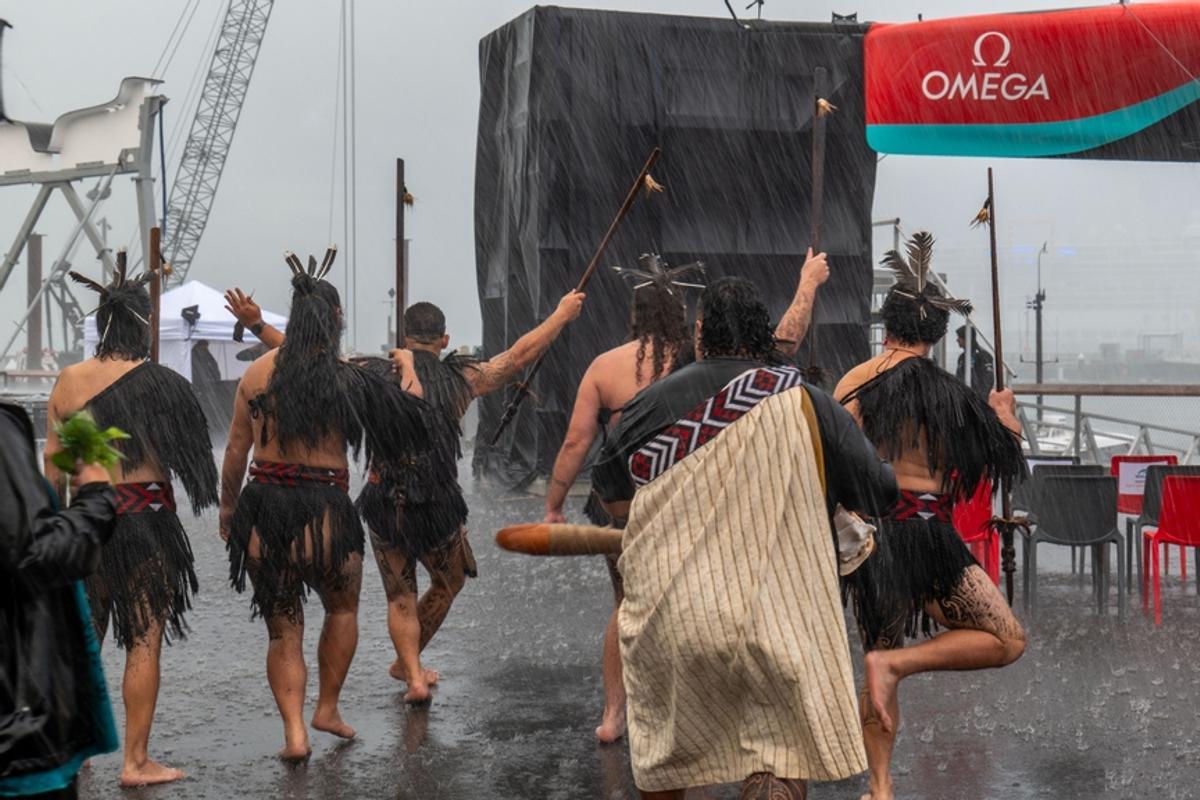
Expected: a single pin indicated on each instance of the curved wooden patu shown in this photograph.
(559, 539)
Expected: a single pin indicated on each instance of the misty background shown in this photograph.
(1122, 237)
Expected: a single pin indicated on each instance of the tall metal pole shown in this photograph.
(33, 281)
(154, 260)
(401, 254)
(1039, 303)
(1008, 551)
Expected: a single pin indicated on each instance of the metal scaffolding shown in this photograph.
(211, 134)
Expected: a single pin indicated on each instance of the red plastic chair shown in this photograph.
(1179, 524)
(971, 520)
(1131, 502)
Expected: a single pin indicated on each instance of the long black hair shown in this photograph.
(306, 397)
(735, 321)
(657, 322)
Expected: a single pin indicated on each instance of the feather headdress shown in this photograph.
(656, 271)
(912, 275)
(305, 279)
(120, 293)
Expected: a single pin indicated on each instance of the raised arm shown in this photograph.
(1004, 403)
(495, 373)
(237, 452)
(581, 432)
(249, 314)
(794, 324)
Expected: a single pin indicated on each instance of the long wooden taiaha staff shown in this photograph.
(403, 200)
(643, 181)
(822, 108)
(154, 265)
(1004, 525)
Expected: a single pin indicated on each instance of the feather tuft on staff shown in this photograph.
(984, 216)
(652, 185)
(824, 107)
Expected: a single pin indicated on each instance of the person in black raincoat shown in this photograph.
(54, 705)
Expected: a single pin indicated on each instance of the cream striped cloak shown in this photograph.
(733, 639)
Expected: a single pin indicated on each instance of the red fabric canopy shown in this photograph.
(1114, 82)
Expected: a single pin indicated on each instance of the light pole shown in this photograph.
(1039, 302)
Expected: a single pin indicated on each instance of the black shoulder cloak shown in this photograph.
(158, 409)
(965, 439)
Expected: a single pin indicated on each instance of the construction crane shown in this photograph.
(211, 134)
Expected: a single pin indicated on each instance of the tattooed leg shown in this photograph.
(977, 605)
(982, 633)
(765, 786)
(399, 575)
(339, 639)
(447, 568)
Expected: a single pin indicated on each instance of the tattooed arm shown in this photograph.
(495, 373)
(794, 325)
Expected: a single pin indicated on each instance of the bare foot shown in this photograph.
(396, 670)
(880, 792)
(332, 723)
(881, 682)
(612, 726)
(147, 774)
(418, 693)
(295, 755)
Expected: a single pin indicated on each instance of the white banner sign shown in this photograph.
(1131, 477)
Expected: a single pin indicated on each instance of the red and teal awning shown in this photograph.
(1112, 82)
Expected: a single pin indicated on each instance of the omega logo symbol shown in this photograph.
(1002, 61)
(991, 84)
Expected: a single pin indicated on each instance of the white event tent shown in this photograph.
(177, 336)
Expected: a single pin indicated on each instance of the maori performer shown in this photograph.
(429, 529)
(146, 577)
(658, 340)
(944, 442)
(732, 636)
(293, 528)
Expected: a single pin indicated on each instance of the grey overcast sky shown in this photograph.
(418, 97)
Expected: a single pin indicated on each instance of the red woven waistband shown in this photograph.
(280, 474)
(142, 498)
(923, 505)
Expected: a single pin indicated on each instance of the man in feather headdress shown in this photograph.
(733, 642)
(293, 527)
(146, 576)
(944, 442)
(659, 342)
(426, 524)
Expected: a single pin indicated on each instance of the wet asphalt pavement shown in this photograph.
(1097, 708)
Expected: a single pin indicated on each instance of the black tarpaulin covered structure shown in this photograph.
(573, 101)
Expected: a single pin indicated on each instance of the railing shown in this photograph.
(1083, 442)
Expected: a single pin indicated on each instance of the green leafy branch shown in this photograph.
(83, 441)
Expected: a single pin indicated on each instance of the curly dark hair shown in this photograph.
(735, 321)
(123, 323)
(304, 393)
(658, 322)
(904, 322)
